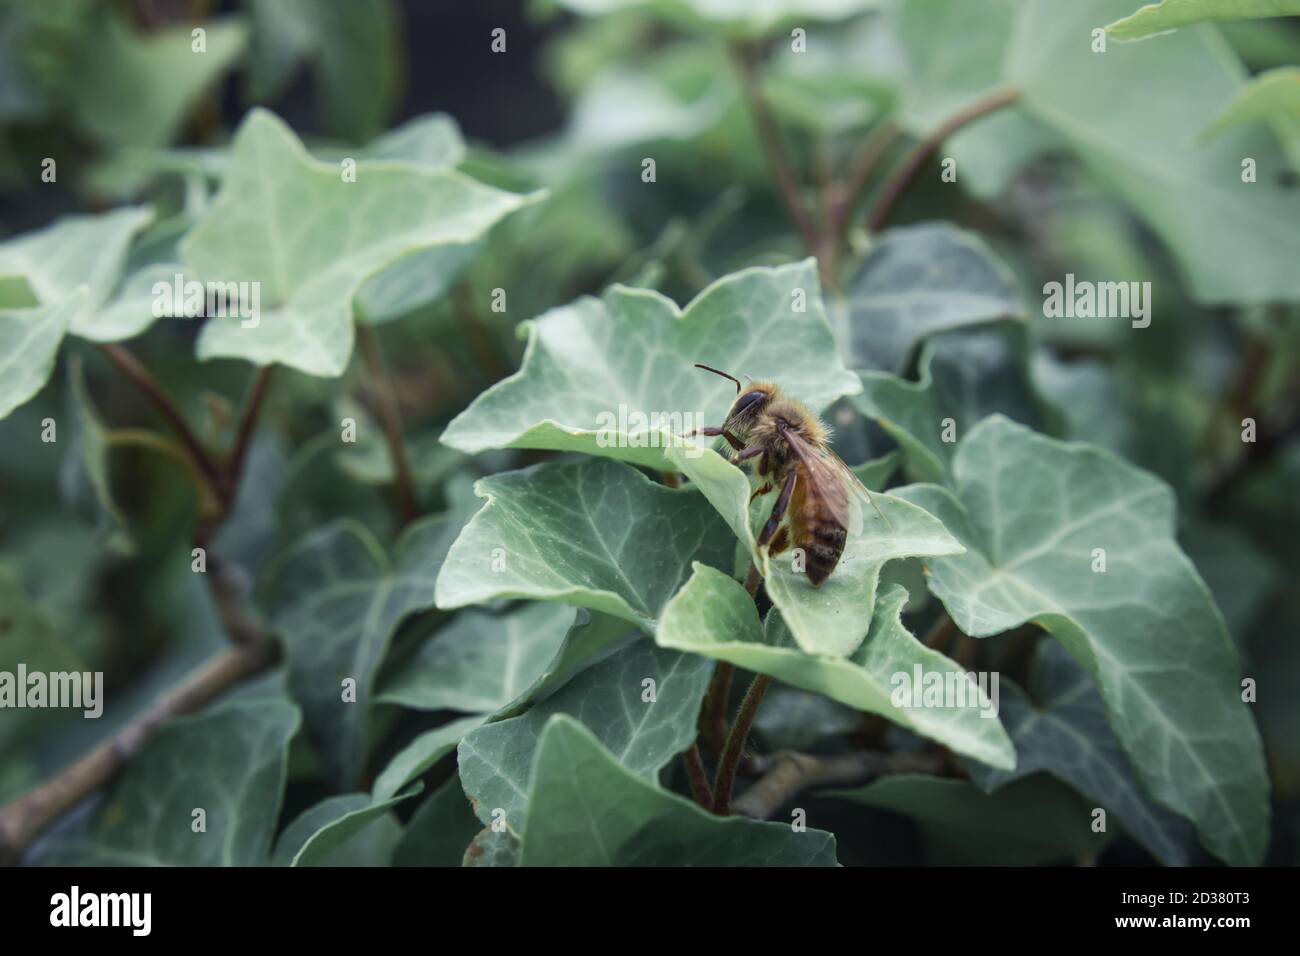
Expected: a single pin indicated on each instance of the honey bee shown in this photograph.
(818, 491)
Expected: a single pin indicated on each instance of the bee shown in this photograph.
(789, 446)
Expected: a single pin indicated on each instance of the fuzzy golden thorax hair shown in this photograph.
(762, 409)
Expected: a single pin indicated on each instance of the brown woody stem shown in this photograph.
(907, 169)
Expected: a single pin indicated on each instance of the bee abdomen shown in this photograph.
(822, 543)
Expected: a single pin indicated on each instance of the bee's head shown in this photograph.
(751, 399)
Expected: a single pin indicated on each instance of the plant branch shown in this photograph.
(244, 433)
(787, 773)
(769, 139)
(23, 818)
(898, 181)
(735, 746)
(696, 776)
(877, 144)
(713, 715)
(130, 366)
(390, 418)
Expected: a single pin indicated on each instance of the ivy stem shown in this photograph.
(253, 650)
(390, 418)
(713, 716)
(769, 138)
(696, 776)
(731, 753)
(247, 419)
(23, 818)
(898, 181)
(840, 212)
(130, 366)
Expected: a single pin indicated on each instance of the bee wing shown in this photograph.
(833, 481)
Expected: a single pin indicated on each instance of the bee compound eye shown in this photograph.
(746, 401)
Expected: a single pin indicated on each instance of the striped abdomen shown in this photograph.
(815, 529)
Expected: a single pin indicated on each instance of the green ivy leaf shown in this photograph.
(136, 89)
(492, 848)
(964, 378)
(714, 616)
(354, 48)
(753, 18)
(291, 223)
(634, 351)
(336, 599)
(1273, 96)
(29, 342)
(1169, 15)
(1062, 729)
(1032, 821)
(421, 754)
(593, 533)
(325, 827)
(85, 477)
(920, 280)
(439, 830)
(1134, 115)
(481, 662)
(831, 619)
(608, 697)
(28, 636)
(75, 251)
(231, 761)
(1031, 511)
(586, 809)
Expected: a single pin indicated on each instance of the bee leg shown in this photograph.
(752, 452)
(760, 491)
(778, 509)
(711, 432)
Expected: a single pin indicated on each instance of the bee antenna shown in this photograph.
(723, 374)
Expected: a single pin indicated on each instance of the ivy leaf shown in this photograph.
(1032, 512)
(439, 830)
(609, 697)
(1273, 96)
(28, 636)
(1062, 729)
(586, 809)
(231, 761)
(1032, 821)
(831, 619)
(1169, 15)
(714, 616)
(354, 49)
(136, 89)
(73, 252)
(1134, 115)
(920, 280)
(480, 662)
(753, 18)
(336, 599)
(292, 224)
(84, 477)
(421, 754)
(29, 342)
(964, 378)
(593, 533)
(591, 368)
(492, 848)
(321, 829)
